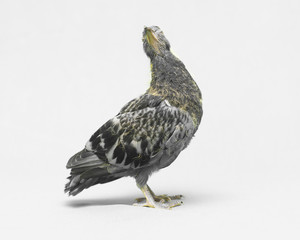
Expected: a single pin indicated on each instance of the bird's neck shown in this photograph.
(167, 69)
(171, 80)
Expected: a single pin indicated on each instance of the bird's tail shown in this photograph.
(82, 178)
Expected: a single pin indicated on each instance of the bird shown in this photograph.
(148, 133)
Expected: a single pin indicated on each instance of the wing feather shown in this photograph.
(145, 129)
(135, 138)
(85, 159)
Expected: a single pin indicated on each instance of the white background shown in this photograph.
(66, 67)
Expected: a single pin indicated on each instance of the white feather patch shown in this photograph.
(167, 103)
(110, 153)
(136, 145)
(88, 146)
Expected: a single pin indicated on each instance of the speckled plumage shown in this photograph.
(149, 132)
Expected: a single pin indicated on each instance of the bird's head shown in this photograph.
(155, 42)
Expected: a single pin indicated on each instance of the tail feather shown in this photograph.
(87, 169)
(75, 186)
(81, 179)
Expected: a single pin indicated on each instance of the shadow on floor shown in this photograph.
(78, 203)
(189, 199)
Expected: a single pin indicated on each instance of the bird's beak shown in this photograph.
(152, 39)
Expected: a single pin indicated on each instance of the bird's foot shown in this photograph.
(162, 198)
(158, 204)
(160, 201)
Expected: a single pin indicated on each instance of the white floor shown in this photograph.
(219, 204)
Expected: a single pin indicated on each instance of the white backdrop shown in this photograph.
(66, 67)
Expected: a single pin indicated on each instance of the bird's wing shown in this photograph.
(144, 129)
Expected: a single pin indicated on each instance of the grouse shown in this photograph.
(148, 133)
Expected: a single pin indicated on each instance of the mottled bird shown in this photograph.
(148, 133)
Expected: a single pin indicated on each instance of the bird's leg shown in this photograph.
(153, 201)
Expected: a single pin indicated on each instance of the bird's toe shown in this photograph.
(142, 202)
(166, 198)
